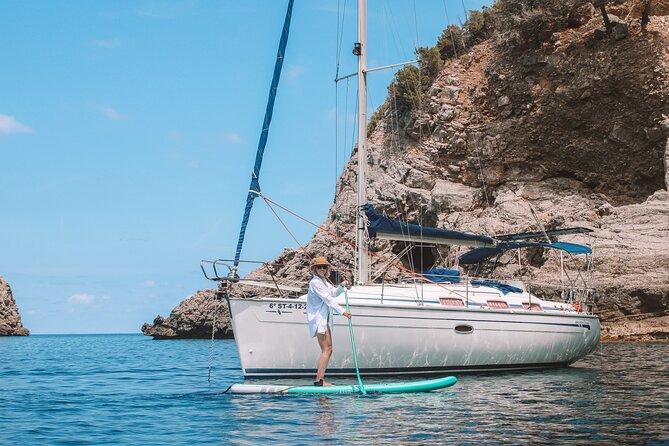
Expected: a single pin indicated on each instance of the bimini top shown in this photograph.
(480, 254)
(384, 228)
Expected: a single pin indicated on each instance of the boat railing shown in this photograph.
(582, 298)
(225, 273)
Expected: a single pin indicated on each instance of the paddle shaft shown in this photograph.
(355, 355)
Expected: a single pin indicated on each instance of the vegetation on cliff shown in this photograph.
(516, 27)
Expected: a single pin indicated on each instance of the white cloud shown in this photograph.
(232, 137)
(82, 298)
(294, 71)
(331, 114)
(112, 114)
(9, 124)
(149, 284)
(105, 43)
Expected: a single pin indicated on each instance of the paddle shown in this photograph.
(355, 355)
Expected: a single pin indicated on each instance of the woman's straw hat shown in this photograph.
(319, 261)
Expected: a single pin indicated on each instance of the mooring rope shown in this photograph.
(213, 333)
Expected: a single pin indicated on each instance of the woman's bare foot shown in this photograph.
(325, 383)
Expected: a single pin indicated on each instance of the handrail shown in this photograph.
(232, 275)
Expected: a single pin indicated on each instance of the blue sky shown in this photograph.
(128, 131)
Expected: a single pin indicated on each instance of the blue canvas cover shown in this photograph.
(505, 288)
(380, 225)
(442, 275)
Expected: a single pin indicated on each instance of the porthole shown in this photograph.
(464, 329)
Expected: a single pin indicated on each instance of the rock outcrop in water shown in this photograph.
(575, 133)
(193, 318)
(10, 319)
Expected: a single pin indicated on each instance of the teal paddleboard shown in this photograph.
(406, 387)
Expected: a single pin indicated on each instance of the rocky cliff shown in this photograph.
(10, 320)
(193, 318)
(574, 133)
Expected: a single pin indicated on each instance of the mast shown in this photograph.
(360, 50)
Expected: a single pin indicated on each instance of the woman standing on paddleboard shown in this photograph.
(320, 299)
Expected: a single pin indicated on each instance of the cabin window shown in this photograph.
(533, 307)
(497, 304)
(451, 302)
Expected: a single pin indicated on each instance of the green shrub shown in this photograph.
(451, 42)
(516, 23)
(405, 89)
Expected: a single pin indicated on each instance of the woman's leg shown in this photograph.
(325, 342)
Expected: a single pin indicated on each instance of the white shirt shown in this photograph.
(320, 298)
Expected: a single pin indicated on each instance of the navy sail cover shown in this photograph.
(254, 187)
(383, 227)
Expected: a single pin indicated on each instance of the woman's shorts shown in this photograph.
(322, 328)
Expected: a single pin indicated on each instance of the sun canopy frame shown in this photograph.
(480, 254)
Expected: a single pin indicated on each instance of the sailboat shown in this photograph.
(436, 323)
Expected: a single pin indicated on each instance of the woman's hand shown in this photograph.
(344, 283)
(347, 314)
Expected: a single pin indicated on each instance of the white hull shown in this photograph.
(400, 336)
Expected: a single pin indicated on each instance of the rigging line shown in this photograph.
(394, 31)
(340, 32)
(395, 119)
(354, 131)
(302, 247)
(405, 212)
(320, 228)
(536, 219)
(541, 227)
(415, 21)
(357, 207)
(354, 246)
(304, 250)
(450, 31)
(348, 242)
(485, 186)
(336, 167)
(462, 28)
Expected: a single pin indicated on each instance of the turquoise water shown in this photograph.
(129, 389)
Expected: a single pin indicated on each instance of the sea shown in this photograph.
(129, 389)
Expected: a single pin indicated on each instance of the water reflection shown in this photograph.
(617, 395)
(325, 415)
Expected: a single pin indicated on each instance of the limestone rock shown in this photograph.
(581, 14)
(10, 319)
(193, 318)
